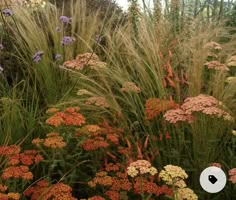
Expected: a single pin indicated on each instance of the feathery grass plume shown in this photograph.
(175, 15)
(134, 12)
(157, 12)
(36, 31)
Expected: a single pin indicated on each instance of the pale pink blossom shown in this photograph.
(205, 104)
(178, 115)
(198, 103)
(216, 65)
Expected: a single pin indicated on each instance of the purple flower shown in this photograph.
(67, 40)
(98, 38)
(65, 20)
(38, 56)
(58, 29)
(7, 12)
(58, 56)
(1, 47)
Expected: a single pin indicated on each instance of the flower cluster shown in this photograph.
(94, 144)
(112, 167)
(28, 157)
(232, 174)
(53, 140)
(230, 79)
(9, 150)
(92, 128)
(207, 105)
(68, 117)
(99, 136)
(98, 101)
(186, 194)
(174, 176)
(67, 40)
(216, 65)
(38, 56)
(213, 46)
(149, 187)
(130, 87)
(118, 181)
(65, 20)
(9, 195)
(21, 171)
(44, 190)
(101, 178)
(83, 92)
(141, 167)
(58, 56)
(90, 60)
(17, 163)
(88, 130)
(171, 174)
(155, 106)
(7, 12)
(34, 3)
(231, 62)
(178, 115)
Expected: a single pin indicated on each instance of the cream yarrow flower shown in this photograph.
(171, 174)
(152, 171)
(132, 171)
(141, 163)
(180, 184)
(186, 194)
(141, 167)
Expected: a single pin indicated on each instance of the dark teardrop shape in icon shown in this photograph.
(212, 179)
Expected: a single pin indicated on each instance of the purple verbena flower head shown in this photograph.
(98, 38)
(67, 40)
(1, 47)
(7, 12)
(38, 56)
(65, 19)
(58, 56)
(58, 29)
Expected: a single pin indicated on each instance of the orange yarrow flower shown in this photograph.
(17, 172)
(9, 150)
(155, 106)
(47, 192)
(68, 117)
(53, 140)
(13, 196)
(3, 188)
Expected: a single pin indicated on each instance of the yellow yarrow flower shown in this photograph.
(152, 171)
(186, 194)
(132, 171)
(172, 173)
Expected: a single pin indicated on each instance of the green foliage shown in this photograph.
(146, 58)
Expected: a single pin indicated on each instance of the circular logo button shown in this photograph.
(213, 179)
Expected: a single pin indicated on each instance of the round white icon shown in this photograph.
(213, 179)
